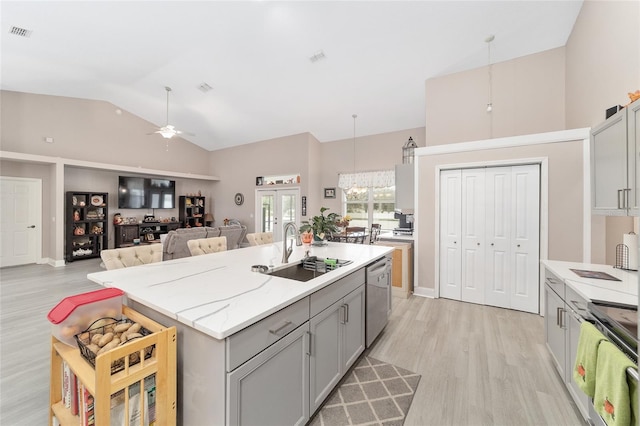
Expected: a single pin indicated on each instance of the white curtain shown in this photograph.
(377, 179)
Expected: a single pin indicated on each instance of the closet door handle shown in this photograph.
(620, 201)
(626, 197)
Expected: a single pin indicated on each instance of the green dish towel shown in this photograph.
(612, 398)
(584, 368)
(633, 391)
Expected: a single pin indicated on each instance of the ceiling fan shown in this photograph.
(168, 131)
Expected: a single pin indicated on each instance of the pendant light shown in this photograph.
(488, 40)
(354, 184)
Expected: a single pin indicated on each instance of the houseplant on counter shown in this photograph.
(321, 226)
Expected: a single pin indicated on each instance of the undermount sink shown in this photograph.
(296, 272)
(308, 268)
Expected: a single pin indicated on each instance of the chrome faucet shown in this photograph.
(286, 251)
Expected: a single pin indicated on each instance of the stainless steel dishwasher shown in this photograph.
(378, 293)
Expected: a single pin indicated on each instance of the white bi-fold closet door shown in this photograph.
(490, 236)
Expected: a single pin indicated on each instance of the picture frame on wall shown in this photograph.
(329, 193)
(259, 181)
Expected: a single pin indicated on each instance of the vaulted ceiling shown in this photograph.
(256, 56)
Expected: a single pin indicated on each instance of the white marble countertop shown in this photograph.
(623, 291)
(218, 293)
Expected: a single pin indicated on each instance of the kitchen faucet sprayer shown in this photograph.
(286, 251)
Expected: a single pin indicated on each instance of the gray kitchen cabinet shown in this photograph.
(554, 331)
(338, 339)
(354, 333)
(276, 380)
(615, 149)
(563, 309)
(571, 349)
(404, 201)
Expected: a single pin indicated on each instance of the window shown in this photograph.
(370, 205)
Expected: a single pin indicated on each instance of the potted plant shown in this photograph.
(321, 225)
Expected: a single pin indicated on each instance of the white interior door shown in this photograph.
(490, 236)
(473, 239)
(275, 208)
(525, 241)
(498, 233)
(450, 233)
(20, 220)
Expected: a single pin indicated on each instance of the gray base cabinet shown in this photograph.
(277, 371)
(272, 388)
(338, 340)
(562, 332)
(554, 332)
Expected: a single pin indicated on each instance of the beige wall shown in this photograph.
(238, 168)
(91, 130)
(603, 60)
(374, 152)
(564, 200)
(528, 97)
(603, 65)
(317, 163)
(564, 88)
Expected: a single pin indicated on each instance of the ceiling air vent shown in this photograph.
(317, 56)
(21, 32)
(204, 87)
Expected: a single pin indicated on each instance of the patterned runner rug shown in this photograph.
(372, 393)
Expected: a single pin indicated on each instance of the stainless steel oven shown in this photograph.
(619, 323)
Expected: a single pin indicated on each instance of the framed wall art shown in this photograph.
(329, 193)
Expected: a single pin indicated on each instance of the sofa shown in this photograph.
(175, 244)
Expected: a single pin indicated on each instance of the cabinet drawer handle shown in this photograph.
(279, 329)
(578, 306)
(346, 320)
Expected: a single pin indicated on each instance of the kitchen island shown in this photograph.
(253, 346)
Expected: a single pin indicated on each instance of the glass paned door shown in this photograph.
(275, 208)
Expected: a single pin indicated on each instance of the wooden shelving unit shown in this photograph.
(192, 209)
(125, 234)
(102, 384)
(86, 212)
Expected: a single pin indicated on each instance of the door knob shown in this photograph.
(32, 226)
(492, 244)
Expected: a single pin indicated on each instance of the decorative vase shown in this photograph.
(306, 237)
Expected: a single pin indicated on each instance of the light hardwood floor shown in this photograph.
(479, 365)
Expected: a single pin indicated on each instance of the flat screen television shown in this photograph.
(146, 193)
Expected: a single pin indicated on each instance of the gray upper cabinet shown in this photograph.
(404, 188)
(615, 147)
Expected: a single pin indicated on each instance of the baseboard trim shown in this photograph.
(56, 263)
(424, 292)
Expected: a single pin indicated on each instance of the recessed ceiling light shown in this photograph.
(204, 87)
(317, 56)
(21, 32)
